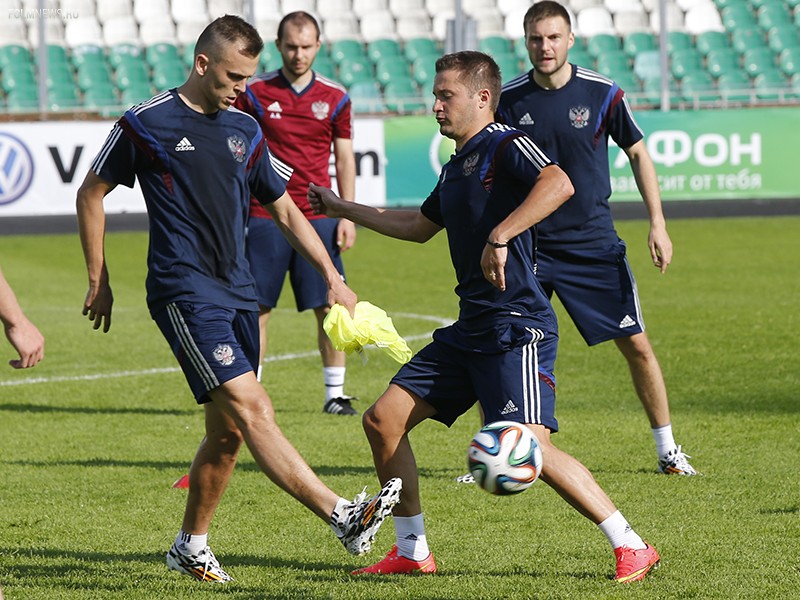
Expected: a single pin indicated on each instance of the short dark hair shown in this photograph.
(545, 9)
(297, 18)
(476, 71)
(226, 30)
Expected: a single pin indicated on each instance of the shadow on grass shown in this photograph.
(85, 410)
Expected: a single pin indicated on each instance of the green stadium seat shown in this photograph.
(187, 55)
(647, 65)
(156, 54)
(423, 70)
(602, 42)
(403, 96)
(91, 76)
(678, 40)
(58, 75)
(132, 74)
(22, 98)
(63, 97)
(721, 61)
(56, 55)
(100, 98)
(271, 60)
(735, 86)
(770, 85)
(773, 15)
(521, 50)
(707, 41)
(746, 39)
(576, 57)
(387, 69)
(783, 36)
(378, 49)
(789, 61)
(683, 62)
(737, 17)
(613, 64)
(698, 86)
(417, 47)
(16, 75)
(87, 53)
(495, 45)
(758, 60)
(13, 54)
(136, 93)
(628, 83)
(122, 53)
(353, 70)
(168, 75)
(325, 66)
(510, 66)
(651, 91)
(347, 50)
(639, 41)
(366, 97)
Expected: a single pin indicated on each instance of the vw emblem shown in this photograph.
(16, 168)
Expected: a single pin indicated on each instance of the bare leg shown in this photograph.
(263, 320)
(387, 423)
(647, 377)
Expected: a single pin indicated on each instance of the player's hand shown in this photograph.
(345, 234)
(660, 246)
(28, 342)
(493, 265)
(97, 306)
(324, 201)
(340, 293)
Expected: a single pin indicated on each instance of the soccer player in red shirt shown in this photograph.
(302, 114)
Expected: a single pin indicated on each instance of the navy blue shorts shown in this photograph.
(212, 344)
(515, 385)
(597, 289)
(270, 256)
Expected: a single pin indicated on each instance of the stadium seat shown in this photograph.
(347, 49)
(789, 61)
(513, 28)
(403, 7)
(613, 64)
(57, 75)
(402, 95)
(333, 8)
(270, 58)
(94, 76)
(510, 66)
(678, 40)
(189, 11)
(121, 30)
(56, 55)
(602, 42)
(773, 15)
(416, 47)
(414, 26)
(88, 53)
(147, 9)
(187, 32)
(783, 36)
(15, 75)
(495, 45)
(168, 75)
(111, 9)
(383, 48)
(703, 17)
(53, 33)
(323, 65)
(353, 70)
(157, 31)
(738, 16)
(490, 23)
(22, 98)
(390, 68)
(366, 7)
(674, 19)
(130, 74)
(14, 53)
(342, 27)
(711, 40)
(378, 25)
(770, 85)
(747, 38)
(366, 97)
(99, 98)
(13, 31)
(758, 60)
(595, 20)
(683, 62)
(578, 57)
(637, 42)
(721, 61)
(735, 86)
(308, 6)
(628, 83)
(218, 8)
(647, 65)
(698, 87)
(651, 91)
(124, 53)
(162, 53)
(423, 70)
(83, 31)
(63, 97)
(631, 21)
(135, 94)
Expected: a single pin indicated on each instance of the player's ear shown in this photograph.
(201, 62)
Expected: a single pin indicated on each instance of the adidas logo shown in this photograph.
(509, 408)
(526, 119)
(626, 322)
(275, 110)
(184, 145)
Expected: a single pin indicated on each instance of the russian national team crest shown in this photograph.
(579, 116)
(238, 148)
(470, 163)
(224, 355)
(321, 109)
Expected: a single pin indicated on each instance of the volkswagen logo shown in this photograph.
(16, 168)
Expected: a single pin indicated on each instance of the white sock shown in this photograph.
(334, 382)
(336, 516)
(620, 533)
(411, 540)
(191, 543)
(664, 440)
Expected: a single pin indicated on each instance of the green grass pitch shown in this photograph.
(92, 439)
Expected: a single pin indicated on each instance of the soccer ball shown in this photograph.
(505, 458)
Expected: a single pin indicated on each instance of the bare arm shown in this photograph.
(303, 238)
(92, 226)
(345, 165)
(20, 331)
(551, 190)
(644, 172)
(408, 225)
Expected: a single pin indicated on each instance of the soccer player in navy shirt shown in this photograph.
(571, 112)
(501, 350)
(198, 160)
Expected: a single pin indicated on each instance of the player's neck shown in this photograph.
(555, 80)
(298, 82)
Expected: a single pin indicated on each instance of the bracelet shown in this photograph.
(497, 244)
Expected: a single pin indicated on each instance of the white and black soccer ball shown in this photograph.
(505, 458)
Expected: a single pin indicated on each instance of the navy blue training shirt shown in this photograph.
(572, 125)
(480, 186)
(196, 172)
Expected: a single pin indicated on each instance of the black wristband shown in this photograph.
(497, 244)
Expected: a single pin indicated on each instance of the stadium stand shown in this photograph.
(123, 51)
